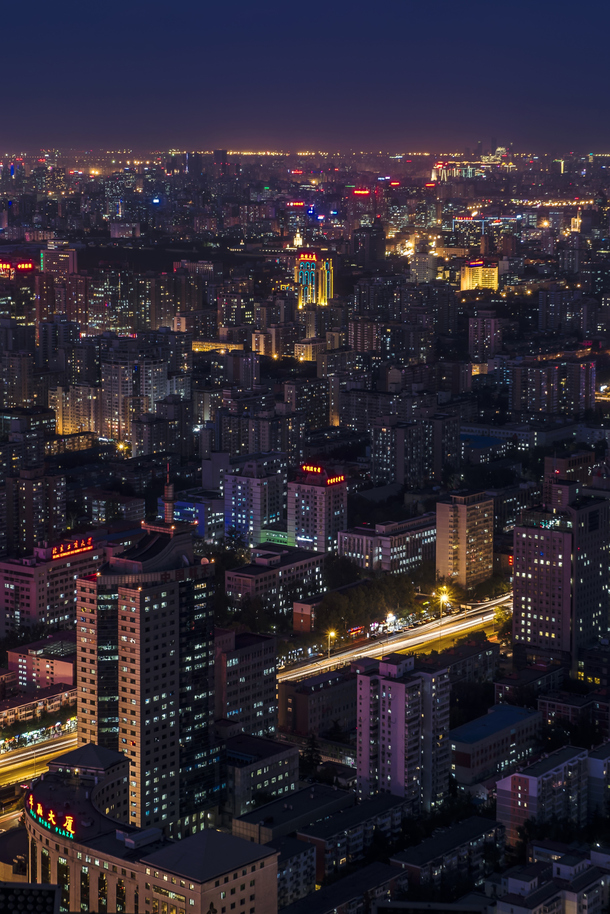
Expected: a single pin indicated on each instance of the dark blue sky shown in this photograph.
(390, 74)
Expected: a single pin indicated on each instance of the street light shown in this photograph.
(330, 635)
(443, 597)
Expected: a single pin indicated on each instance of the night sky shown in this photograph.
(392, 75)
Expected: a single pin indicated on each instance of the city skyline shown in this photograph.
(395, 75)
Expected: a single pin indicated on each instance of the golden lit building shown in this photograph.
(476, 275)
(313, 275)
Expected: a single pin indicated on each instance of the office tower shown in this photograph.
(313, 275)
(484, 336)
(59, 262)
(44, 296)
(476, 275)
(464, 539)
(56, 340)
(244, 677)
(145, 673)
(560, 584)
(553, 789)
(41, 587)
(317, 508)
(149, 435)
(403, 727)
(255, 497)
(36, 509)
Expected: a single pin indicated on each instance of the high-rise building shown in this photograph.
(127, 373)
(484, 336)
(59, 262)
(245, 686)
(313, 275)
(561, 582)
(403, 727)
(476, 275)
(145, 673)
(35, 508)
(464, 538)
(255, 496)
(317, 508)
(41, 587)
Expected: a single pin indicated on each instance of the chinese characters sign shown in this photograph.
(59, 823)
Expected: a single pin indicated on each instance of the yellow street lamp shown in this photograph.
(330, 635)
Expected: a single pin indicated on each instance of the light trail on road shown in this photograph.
(415, 637)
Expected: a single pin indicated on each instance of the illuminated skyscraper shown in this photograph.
(146, 673)
(314, 278)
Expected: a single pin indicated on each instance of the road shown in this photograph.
(450, 626)
(25, 764)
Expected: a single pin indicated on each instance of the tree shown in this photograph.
(310, 757)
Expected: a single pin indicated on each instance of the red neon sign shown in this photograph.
(308, 257)
(362, 193)
(297, 203)
(394, 183)
(49, 819)
(335, 480)
(309, 468)
(72, 548)
(25, 266)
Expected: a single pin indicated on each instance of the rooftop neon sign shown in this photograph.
(72, 548)
(50, 819)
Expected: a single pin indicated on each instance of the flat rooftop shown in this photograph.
(498, 718)
(350, 818)
(446, 841)
(206, 855)
(544, 765)
(244, 749)
(343, 891)
(300, 803)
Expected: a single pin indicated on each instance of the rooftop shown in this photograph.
(552, 761)
(244, 749)
(90, 756)
(206, 855)
(349, 818)
(498, 718)
(352, 887)
(446, 841)
(313, 799)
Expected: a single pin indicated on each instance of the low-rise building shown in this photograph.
(30, 707)
(565, 706)
(456, 853)
(296, 870)
(45, 663)
(282, 817)
(258, 769)
(568, 884)
(356, 894)
(394, 546)
(471, 661)
(200, 507)
(345, 836)
(278, 575)
(316, 704)
(554, 787)
(75, 818)
(598, 770)
(494, 743)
